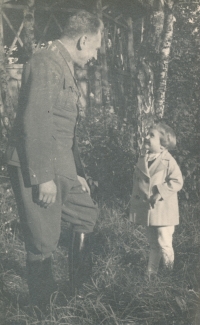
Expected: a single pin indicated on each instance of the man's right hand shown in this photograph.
(47, 193)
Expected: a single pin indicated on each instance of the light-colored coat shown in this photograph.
(165, 174)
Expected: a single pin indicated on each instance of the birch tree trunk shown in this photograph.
(153, 65)
(29, 39)
(6, 107)
(164, 59)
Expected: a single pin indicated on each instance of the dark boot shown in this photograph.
(40, 282)
(80, 261)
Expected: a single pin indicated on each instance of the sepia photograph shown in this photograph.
(100, 162)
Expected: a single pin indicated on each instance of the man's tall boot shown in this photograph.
(40, 282)
(80, 261)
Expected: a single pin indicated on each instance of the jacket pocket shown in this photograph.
(67, 98)
(72, 97)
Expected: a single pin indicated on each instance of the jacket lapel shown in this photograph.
(160, 163)
(67, 58)
(142, 165)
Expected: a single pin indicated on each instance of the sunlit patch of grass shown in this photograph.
(119, 292)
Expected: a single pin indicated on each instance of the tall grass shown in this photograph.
(119, 292)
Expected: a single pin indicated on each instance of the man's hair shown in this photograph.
(167, 135)
(80, 22)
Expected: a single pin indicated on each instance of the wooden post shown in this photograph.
(6, 107)
(29, 39)
(131, 57)
(104, 67)
(1, 63)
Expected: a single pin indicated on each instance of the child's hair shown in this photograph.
(167, 135)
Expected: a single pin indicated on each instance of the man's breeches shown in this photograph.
(41, 226)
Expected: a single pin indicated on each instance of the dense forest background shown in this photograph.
(109, 140)
(148, 68)
(118, 101)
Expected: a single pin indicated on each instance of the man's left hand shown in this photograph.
(84, 184)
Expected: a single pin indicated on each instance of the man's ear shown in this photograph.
(81, 42)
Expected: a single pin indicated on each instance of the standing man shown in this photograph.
(44, 165)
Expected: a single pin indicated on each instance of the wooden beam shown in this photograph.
(44, 32)
(80, 2)
(29, 24)
(47, 8)
(61, 29)
(114, 20)
(1, 26)
(11, 27)
(118, 17)
(113, 42)
(13, 6)
(16, 38)
(105, 7)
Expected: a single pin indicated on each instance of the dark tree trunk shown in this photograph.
(29, 39)
(131, 57)
(103, 60)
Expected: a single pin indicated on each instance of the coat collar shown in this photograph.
(158, 165)
(67, 58)
(65, 54)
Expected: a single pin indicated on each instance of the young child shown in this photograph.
(154, 202)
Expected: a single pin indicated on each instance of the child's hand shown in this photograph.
(154, 199)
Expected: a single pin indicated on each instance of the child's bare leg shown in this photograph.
(155, 251)
(165, 238)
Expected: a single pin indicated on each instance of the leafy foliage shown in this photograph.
(108, 139)
(107, 147)
(183, 99)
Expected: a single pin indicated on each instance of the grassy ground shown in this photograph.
(119, 293)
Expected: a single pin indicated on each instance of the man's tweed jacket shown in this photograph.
(43, 142)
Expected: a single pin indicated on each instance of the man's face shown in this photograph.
(152, 141)
(89, 46)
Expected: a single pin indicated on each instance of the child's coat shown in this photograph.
(166, 175)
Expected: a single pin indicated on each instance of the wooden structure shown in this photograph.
(47, 19)
(130, 75)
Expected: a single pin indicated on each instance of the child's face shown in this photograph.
(152, 141)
